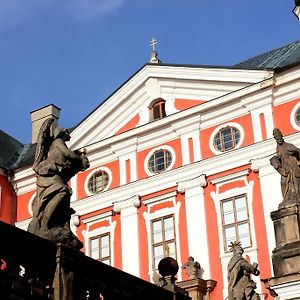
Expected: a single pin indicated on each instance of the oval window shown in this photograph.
(98, 182)
(226, 138)
(159, 161)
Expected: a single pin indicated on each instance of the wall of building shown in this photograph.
(194, 186)
(7, 200)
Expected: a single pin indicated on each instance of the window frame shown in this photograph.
(167, 161)
(293, 119)
(164, 242)
(219, 128)
(235, 223)
(99, 237)
(161, 104)
(150, 153)
(93, 173)
(233, 140)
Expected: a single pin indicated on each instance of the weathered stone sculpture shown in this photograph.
(192, 268)
(54, 166)
(286, 162)
(240, 284)
(286, 220)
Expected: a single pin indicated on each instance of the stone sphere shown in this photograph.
(168, 266)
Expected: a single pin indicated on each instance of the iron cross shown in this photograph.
(153, 43)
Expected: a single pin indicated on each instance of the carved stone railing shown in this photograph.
(33, 268)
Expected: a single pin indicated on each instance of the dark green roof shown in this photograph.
(10, 150)
(279, 58)
(26, 157)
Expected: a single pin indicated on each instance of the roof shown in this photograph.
(279, 58)
(15, 155)
(9, 150)
(26, 157)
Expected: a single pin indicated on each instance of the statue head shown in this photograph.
(278, 136)
(236, 247)
(62, 133)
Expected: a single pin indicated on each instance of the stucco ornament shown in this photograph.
(240, 284)
(192, 268)
(54, 166)
(286, 162)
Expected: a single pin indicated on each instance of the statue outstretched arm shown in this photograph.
(251, 268)
(67, 153)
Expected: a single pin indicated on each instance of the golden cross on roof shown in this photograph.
(153, 43)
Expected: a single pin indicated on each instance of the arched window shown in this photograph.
(226, 138)
(159, 161)
(98, 182)
(158, 109)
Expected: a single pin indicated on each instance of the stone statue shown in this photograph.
(192, 268)
(240, 284)
(286, 162)
(54, 166)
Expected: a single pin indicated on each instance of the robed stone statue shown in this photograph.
(286, 162)
(54, 166)
(240, 284)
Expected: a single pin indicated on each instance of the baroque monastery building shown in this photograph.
(179, 166)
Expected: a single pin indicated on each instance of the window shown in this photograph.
(100, 248)
(163, 239)
(158, 110)
(159, 161)
(98, 182)
(235, 219)
(226, 138)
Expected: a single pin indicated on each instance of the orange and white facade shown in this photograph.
(7, 199)
(205, 197)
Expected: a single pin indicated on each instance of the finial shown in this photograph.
(153, 43)
(154, 58)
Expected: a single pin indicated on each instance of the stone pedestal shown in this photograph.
(198, 289)
(286, 255)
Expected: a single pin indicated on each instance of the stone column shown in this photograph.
(198, 289)
(130, 233)
(283, 227)
(196, 220)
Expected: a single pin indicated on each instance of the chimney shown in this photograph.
(40, 115)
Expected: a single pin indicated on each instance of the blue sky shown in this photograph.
(75, 53)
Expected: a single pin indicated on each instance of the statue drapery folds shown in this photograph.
(240, 284)
(286, 162)
(55, 164)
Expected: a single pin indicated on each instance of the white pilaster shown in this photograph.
(126, 151)
(189, 129)
(266, 111)
(131, 157)
(185, 147)
(74, 188)
(196, 220)
(129, 234)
